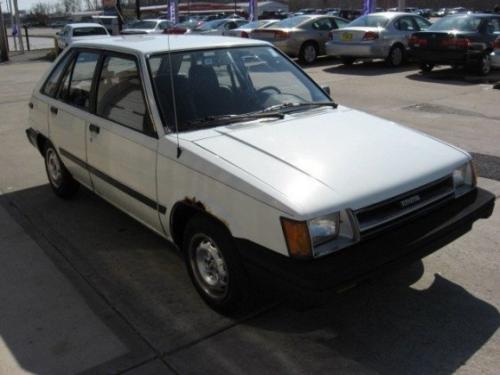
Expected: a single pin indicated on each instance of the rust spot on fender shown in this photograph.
(196, 203)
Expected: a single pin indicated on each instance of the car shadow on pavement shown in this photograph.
(458, 76)
(121, 269)
(389, 327)
(384, 325)
(368, 68)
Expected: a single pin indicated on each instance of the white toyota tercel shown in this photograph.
(228, 149)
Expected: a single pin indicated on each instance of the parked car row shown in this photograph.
(465, 39)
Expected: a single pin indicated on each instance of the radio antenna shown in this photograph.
(172, 87)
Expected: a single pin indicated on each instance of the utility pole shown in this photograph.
(138, 9)
(401, 5)
(4, 47)
(9, 8)
(18, 27)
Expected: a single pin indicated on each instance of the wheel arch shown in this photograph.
(185, 210)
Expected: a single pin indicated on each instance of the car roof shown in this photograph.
(84, 24)
(148, 44)
(393, 14)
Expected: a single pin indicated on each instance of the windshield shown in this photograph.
(460, 23)
(291, 22)
(89, 31)
(210, 25)
(231, 81)
(143, 25)
(370, 21)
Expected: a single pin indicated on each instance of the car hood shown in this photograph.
(328, 159)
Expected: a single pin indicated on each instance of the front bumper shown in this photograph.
(357, 49)
(409, 242)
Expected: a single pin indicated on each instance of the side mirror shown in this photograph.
(326, 89)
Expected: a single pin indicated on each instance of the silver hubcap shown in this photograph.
(310, 53)
(396, 56)
(54, 168)
(209, 267)
(486, 64)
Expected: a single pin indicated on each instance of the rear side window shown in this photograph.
(77, 82)
(50, 86)
(323, 24)
(89, 31)
(405, 24)
(119, 94)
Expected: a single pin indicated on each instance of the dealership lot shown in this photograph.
(86, 288)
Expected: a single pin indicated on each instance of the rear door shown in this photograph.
(69, 113)
(121, 142)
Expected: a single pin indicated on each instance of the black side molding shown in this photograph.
(117, 184)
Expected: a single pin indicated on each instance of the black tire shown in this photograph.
(425, 67)
(210, 250)
(308, 53)
(484, 65)
(396, 56)
(347, 60)
(62, 183)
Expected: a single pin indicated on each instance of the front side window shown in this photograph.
(77, 82)
(232, 81)
(323, 24)
(422, 23)
(405, 24)
(50, 86)
(119, 94)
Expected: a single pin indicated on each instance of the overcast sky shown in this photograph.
(25, 4)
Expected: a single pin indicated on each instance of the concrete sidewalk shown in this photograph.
(46, 327)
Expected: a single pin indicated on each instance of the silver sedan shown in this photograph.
(301, 36)
(377, 35)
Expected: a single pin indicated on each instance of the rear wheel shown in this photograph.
(308, 53)
(425, 67)
(484, 65)
(396, 56)
(346, 60)
(214, 265)
(61, 181)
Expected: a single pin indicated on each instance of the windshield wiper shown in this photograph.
(210, 121)
(297, 106)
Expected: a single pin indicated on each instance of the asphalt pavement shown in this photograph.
(87, 289)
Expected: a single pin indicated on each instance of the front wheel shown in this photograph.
(61, 181)
(424, 67)
(214, 265)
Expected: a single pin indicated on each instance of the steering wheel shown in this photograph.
(265, 88)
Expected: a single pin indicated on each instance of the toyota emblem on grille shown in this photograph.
(409, 201)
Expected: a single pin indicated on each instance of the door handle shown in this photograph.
(94, 128)
(54, 110)
(30, 104)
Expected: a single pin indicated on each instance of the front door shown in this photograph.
(121, 144)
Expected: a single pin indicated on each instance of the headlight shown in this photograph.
(320, 236)
(324, 229)
(464, 179)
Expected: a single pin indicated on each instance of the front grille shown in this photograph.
(384, 214)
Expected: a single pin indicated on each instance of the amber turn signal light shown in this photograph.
(297, 238)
